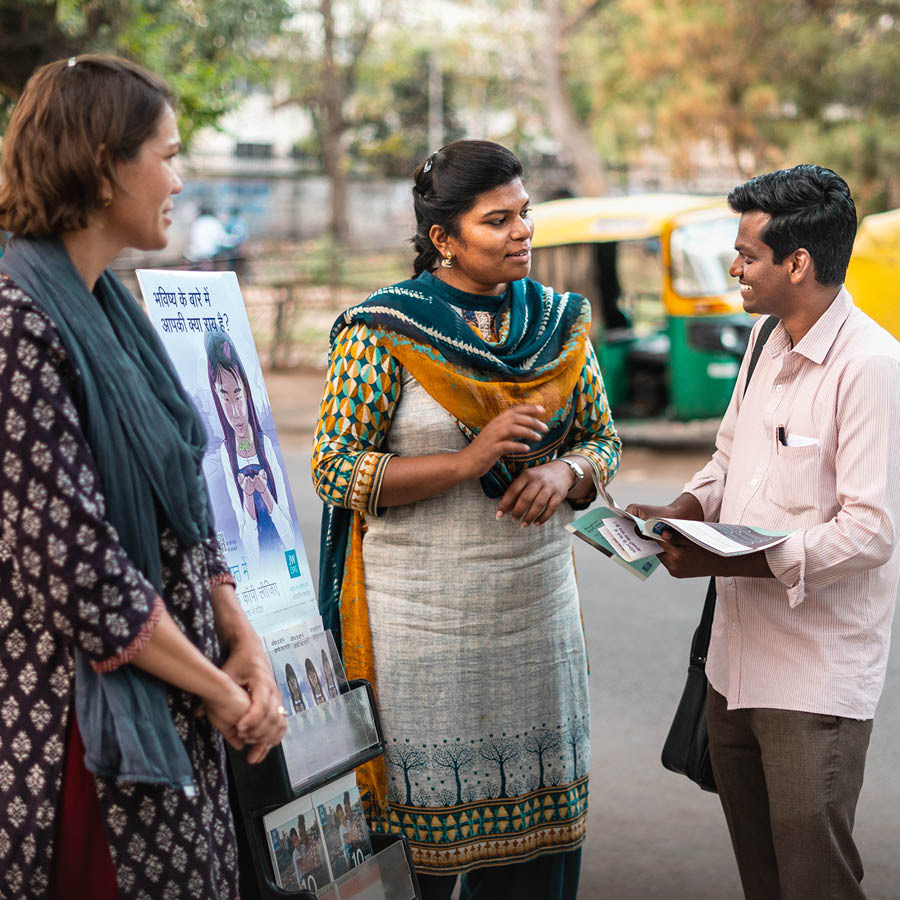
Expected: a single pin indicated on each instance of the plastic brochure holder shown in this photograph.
(261, 788)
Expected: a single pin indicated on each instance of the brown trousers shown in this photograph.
(789, 782)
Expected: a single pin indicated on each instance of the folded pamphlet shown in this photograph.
(589, 528)
(634, 542)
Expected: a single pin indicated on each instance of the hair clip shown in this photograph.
(428, 164)
(72, 61)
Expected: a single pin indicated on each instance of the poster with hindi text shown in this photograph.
(201, 319)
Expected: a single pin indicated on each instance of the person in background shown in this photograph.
(207, 240)
(464, 420)
(126, 654)
(801, 632)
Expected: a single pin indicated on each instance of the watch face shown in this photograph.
(575, 467)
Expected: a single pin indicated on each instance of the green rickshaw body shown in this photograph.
(669, 328)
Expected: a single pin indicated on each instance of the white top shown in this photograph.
(815, 637)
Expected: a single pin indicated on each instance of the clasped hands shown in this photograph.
(245, 704)
(537, 492)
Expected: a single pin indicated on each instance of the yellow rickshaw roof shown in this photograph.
(582, 220)
(878, 238)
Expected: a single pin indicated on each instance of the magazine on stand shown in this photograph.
(306, 665)
(343, 824)
(299, 857)
(318, 837)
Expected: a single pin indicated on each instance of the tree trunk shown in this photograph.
(333, 127)
(29, 37)
(575, 139)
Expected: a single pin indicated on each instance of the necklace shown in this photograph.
(245, 445)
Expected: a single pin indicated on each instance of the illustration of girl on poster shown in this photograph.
(256, 487)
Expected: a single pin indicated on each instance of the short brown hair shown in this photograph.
(51, 177)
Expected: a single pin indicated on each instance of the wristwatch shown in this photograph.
(575, 467)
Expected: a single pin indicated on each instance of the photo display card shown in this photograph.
(201, 319)
(343, 825)
(299, 857)
(306, 665)
(319, 837)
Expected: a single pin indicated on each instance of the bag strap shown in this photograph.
(765, 330)
(700, 642)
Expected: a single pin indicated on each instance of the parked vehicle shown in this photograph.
(669, 328)
(874, 274)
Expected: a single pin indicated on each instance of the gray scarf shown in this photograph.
(148, 444)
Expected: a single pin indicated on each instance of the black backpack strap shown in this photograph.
(765, 330)
(700, 643)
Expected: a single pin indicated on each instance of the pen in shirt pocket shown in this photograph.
(781, 435)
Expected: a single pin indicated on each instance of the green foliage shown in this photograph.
(209, 51)
(776, 82)
(391, 109)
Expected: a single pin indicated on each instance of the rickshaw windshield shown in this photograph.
(701, 254)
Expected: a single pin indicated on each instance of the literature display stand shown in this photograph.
(332, 725)
(344, 733)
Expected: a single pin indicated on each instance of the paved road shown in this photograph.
(653, 835)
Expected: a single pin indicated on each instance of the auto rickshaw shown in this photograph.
(873, 277)
(668, 324)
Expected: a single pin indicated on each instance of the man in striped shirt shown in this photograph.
(801, 632)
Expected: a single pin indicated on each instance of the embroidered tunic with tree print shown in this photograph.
(479, 652)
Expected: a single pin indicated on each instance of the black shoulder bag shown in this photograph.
(686, 750)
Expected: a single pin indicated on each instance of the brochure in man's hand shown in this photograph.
(635, 542)
(593, 527)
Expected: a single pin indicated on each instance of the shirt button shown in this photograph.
(734, 626)
(779, 388)
(754, 481)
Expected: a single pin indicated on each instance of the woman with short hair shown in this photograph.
(125, 650)
(464, 419)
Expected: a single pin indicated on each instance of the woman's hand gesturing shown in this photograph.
(504, 434)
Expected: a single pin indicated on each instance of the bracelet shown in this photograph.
(576, 468)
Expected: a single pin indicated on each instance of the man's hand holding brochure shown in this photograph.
(636, 543)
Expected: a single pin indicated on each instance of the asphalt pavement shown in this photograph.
(652, 835)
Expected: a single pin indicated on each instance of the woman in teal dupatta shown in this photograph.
(464, 419)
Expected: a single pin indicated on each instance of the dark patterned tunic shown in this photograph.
(66, 582)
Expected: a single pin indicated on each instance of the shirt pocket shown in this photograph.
(796, 482)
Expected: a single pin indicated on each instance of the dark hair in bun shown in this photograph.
(449, 183)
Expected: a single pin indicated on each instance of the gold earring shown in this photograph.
(106, 201)
(447, 261)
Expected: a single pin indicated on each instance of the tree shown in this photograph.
(454, 757)
(203, 48)
(402, 86)
(775, 82)
(408, 759)
(322, 66)
(567, 126)
(541, 743)
(574, 734)
(501, 751)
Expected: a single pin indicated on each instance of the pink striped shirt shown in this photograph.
(816, 636)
